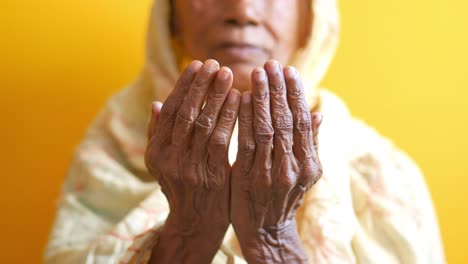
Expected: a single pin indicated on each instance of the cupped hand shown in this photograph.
(276, 164)
(187, 153)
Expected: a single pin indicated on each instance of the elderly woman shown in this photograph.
(166, 193)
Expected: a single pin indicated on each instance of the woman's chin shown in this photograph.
(242, 73)
(242, 84)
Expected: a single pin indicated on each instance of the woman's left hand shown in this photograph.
(276, 164)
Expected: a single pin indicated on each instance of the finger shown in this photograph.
(263, 134)
(302, 135)
(312, 170)
(283, 177)
(216, 96)
(154, 119)
(303, 148)
(263, 129)
(219, 141)
(221, 136)
(152, 149)
(280, 113)
(316, 122)
(246, 140)
(172, 104)
(193, 101)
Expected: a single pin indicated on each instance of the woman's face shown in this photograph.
(241, 34)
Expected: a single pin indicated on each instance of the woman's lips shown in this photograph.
(244, 52)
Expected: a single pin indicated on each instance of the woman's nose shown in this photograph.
(241, 13)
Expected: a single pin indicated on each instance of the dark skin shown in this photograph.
(276, 164)
(187, 154)
(241, 34)
(189, 136)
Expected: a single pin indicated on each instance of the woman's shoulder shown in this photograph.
(119, 130)
(370, 148)
(363, 140)
(366, 148)
(382, 172)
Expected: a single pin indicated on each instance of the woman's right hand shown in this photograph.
(187, 153)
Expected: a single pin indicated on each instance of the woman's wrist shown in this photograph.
(186, 244)
(274, 245)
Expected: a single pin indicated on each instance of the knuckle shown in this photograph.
(218, 141)
(277, 88)
(283, 121)
(286, 180)
(312, 174)
(264, 137)
(295, 92)
(187, 114)
(227, 115)
(247, 147)
(295, 88)
(261, 98)
(314, 179)
(303, 122)
(286, 177)
(286, 183)
(264, 133)
(204, 123)
(217, 96)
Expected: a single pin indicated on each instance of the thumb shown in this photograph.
(316, 122)
(155, 112)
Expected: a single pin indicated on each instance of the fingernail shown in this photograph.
(273, 65)
(290, 72)
(260, 75)
(246, 98)
(224, 73)
(212, 65)
(277, 65)
(233, 96)
(196, 64)
(156, 106)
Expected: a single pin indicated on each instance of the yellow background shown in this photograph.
(401, 66)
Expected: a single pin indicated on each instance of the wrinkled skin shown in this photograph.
(188, 144)
(276, 164)
(187, 154)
